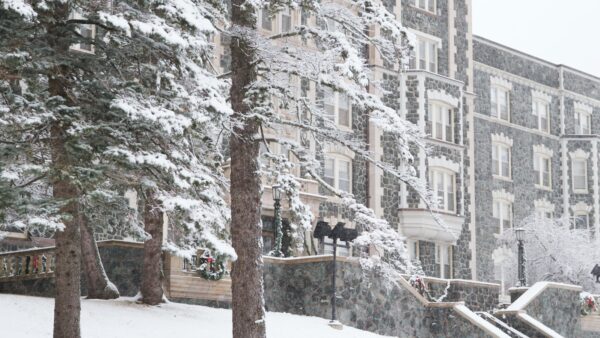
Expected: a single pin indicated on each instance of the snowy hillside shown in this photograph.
(31, 317)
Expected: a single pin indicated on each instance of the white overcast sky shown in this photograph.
(560, 31)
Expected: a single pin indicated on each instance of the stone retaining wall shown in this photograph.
(365, 299)
(477, 296)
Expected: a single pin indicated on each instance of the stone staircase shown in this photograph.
(504, 327)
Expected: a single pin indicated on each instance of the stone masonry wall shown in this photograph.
(365, 300)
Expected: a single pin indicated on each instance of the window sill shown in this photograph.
(580, 192)
(500, 119)
(425, 11)
(344, 128)
(541, 187)
(502, 178)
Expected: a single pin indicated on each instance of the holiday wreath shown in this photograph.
(211, 268)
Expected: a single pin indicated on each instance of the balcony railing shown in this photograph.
(27, 264)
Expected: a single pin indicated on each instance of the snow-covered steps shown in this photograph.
(479, 322)
(510, 331)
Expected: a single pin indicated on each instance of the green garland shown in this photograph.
(211, 269)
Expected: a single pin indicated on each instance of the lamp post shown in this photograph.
(276, 189)
(338, 232)
(520, 234)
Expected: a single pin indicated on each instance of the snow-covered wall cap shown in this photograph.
(503, 195)
(583, 107)
(501, 138)
(337, 149)
(438, 95)
(541, 96)
(543, 150)
(499, 82)
(581, 207)
(579, 154)
(543, 205)
(443, 162)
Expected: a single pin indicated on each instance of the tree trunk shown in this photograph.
(151, 290)
(246, 229)
(67, 305)
(98, 284)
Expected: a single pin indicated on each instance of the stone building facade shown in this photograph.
(509, 134)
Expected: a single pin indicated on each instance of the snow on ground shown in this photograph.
(31, 317)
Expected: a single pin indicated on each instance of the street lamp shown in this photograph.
(338, 232)
(276, 189)
(520, 235)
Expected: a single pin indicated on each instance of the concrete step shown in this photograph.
(511, 331)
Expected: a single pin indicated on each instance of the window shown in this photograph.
(503, 215)
(443, 259)
(413, 249)
(579, 173)
(338, 173)
(542, 112)
(581, 220)
(442, 182)
(543, 208)
(542, 170)
(88, 34)
(583, 123)
(337, 107)
(442, 122)
(428, 5)
(501, 160)
(343, 249)
(266, 22)
(425, 55)
(500, 103)
(285, 20)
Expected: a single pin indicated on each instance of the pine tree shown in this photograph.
(131, 104)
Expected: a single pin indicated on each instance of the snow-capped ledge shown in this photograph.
(535, 291)
(438, 95)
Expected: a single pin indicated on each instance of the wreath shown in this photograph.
(211, 268)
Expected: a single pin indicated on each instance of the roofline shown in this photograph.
(535, 58)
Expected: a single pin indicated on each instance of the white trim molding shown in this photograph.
(339, 150)
(581, 207)
(443, 162)
(503, 195)
(499, 82)
(541, 96)
(441, 96)
(543, 204)
(502, 139)
(579, 154)
(543, 150)
(583, 107)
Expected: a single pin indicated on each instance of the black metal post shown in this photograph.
(278, 231)
(521, 267)
(333, 296)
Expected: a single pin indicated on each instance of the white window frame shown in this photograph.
(77, 46)
(426, 5)
(412, 246)
(337, 96)
(417, 52)
(581, 209)
(337, 159)
(497, 105)
(285, 12)
(448, 176)
(579, 190)
(447, 122)
(543, 208)
(582, 115)
(342, 249)
(538, 100)
(540, 154)
(580, 156)
(501, 207)
(443, 257)
(497, 147)
(263, 13)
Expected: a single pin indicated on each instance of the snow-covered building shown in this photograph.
(509, 134)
